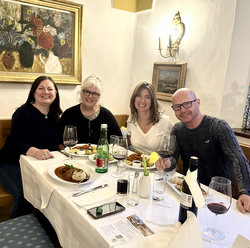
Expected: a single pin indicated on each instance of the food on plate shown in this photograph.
(178, 180)
(87, 149)
(71, 174)
(137, 156)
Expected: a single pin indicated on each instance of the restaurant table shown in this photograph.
(75, 228)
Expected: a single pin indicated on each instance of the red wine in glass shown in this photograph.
(165, 153)
(218, 201)
(217, 208)
(70, 137)
(119, 156)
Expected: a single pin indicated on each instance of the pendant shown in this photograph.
(46, 116)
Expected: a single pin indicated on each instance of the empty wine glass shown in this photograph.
(70, 137)
(119, 152)
(218, 201)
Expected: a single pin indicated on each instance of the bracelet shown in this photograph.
(244, 191)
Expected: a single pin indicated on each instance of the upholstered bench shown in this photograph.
(23, 231)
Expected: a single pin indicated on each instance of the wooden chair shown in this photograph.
(121, 120)
(6, 199)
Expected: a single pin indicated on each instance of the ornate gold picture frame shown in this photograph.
(40, 38)
(167, 78)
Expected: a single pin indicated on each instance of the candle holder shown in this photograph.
(175, 37)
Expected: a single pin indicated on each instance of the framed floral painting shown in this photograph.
(40, 38)
(167, 78)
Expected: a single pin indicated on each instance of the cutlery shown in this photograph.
(64, 153)
(89, 190)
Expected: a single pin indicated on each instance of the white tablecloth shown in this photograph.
(75, 228)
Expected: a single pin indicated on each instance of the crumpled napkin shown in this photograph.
(94, 197)
(178, 235)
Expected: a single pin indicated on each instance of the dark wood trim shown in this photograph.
(242, 132)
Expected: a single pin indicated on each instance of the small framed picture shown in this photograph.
(167, 78)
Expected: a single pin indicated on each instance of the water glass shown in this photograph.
(158, 186)
(133, 189)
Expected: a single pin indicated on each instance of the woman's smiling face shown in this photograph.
(143, 101)
(89, 100)
(45, 93)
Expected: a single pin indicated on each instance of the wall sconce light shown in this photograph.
(175, 37)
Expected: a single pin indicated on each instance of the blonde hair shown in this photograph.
(92, 80)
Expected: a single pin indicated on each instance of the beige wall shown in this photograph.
(121, 47)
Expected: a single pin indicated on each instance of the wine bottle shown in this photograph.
(102, 151)
(187, 202)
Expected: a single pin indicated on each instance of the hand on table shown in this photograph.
(41, 154)
(243, 203)
(162, 163)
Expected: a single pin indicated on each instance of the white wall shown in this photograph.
(121, 47)
(238, 71)
(205, 46)
(107, 52)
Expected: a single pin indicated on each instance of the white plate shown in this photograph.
(172, 185)
(87, 169)
(91, 158)
(67, 151)
(141, 167)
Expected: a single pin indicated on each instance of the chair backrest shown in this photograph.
(5, 126)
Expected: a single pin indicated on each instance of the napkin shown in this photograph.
(191, 179)
(94, 197)
(175, 236)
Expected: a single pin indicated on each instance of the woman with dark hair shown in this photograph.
(146, 124)
(34, 132)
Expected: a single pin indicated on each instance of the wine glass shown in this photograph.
(70, 137)
(119, 151)
(167, 146)
(218, 201)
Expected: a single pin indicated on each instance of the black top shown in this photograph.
(89, 131)
(217, 149)
(30, 128)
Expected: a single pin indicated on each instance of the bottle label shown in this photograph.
(100, 163)
(186, 200)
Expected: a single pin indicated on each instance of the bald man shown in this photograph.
(212, 141)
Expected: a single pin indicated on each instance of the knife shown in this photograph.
(90, 190)
(64, 153)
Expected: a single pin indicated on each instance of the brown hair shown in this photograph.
(155, 114)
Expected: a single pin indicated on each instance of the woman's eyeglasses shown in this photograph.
(88, 93)
(185, 105)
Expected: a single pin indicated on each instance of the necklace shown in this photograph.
(45, 115)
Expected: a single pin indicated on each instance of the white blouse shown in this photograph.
(148, 142)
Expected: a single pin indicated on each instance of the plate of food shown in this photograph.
(176, 182)
(134, 161)
(111, 159)
(72, 174)
(81, 150)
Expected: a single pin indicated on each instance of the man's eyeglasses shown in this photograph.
(88, 93)
(185, 105)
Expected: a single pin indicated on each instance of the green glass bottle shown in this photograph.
(102, 151)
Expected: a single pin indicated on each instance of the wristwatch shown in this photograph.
(244, 191)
